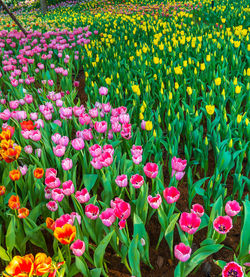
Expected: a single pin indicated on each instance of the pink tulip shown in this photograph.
(14, 104)
(101, 126)
(151, 170)
(59, 150)
(92, 211)
(108, 148)
(52, 206)
(64, 141)
(232, 208)
(38, 152)
(23, 169)
(182, 252)
(122, 224)
(136, 150)
(232, 269)
(57, 194)
(108, 217)
(33, 116)
(178, 167)
(171, 194)
(122, 180)
(137, 159)
(56, 138)
(47, 193)
(84, 119)
(78, 248)
(35, 135)
(103, 91)
(137, 181)
(96, 163)
(68, 187)
(50, 172)
(124, 118)
(143, 125)
(28, 149)
(197, 209)
(93, 112)
(223, 224)
(74, 216)
(78, 143)
(116, 127)
(121, 208)
(106, 159)
(154, 202)
(52, 182)
(82, 196)
(95, 150)
(67, 164)
(64, 219)
(5, 115)
(189, 222)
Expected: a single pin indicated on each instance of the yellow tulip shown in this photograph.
(210, 109)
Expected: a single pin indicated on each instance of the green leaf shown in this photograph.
(139, 229)
(35, 234)
(4, 255)
(172, 223)
(200, 255)
(82, 266)
(245, 237)
(10, 235)
(100, 250)
(134, 257)
(89, 181)
(96, 272)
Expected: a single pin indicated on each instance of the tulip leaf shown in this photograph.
(96, 272)
(245, 237)
(10, 235)
(100, 250)
(134, 257)
(200, 255)
(4, 255)
(89, 181)
(34, 232)
(139, 229)
(82, 266)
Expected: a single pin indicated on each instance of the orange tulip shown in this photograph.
(14, 174)
(11, 154)
(14, 202)
(23, 212)
(2, 190)
(6, 144)
(38, 173)
(66, 234)
(27, 266)
(5, 135)
(20, 266)
(42, 264)
(50, 223)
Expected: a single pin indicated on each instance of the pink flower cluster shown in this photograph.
(102, 156)
(119, 209)
(54, 192)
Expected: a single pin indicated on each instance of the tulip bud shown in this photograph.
(206, 141)
(154, 133)
(230, 145)
(169, 127)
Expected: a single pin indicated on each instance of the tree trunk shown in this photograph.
(44, 6)
(13, 17)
